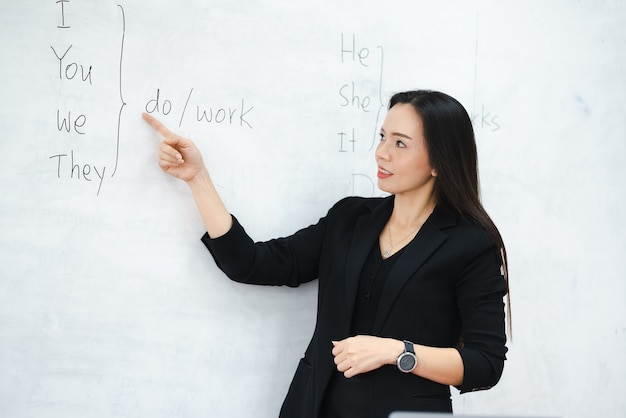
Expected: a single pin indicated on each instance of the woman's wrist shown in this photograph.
(396, 347)
(200, 179)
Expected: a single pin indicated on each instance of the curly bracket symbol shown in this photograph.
(119, 117)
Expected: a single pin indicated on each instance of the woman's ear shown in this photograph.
(433, 172)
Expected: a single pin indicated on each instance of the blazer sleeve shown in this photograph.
(283, 261)
(480, 293)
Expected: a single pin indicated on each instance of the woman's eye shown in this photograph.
(382, 137)
(400, 144)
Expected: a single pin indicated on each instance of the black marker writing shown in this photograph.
(69, 168)
(76, 124)
(353, 95)
(123, 103)
(238, 114)
(62, 4)
(71, 70)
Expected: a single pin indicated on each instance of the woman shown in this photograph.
(411, 286)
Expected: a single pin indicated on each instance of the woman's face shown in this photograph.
(403, 162)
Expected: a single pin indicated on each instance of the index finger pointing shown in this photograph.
(158, 126)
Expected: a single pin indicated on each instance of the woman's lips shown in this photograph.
(383, 174)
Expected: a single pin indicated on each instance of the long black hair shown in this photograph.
(451, 147)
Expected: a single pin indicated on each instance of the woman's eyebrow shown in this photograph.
(400, 134)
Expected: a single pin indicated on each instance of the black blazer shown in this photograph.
(446, 287)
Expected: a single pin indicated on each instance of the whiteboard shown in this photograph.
(111, 307)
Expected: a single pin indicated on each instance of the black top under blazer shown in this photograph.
(446, 287)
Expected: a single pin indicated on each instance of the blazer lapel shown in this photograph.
(366, 232)
(428, 239)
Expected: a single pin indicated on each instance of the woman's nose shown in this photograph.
(381, 151)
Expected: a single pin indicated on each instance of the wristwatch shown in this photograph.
(407, 360)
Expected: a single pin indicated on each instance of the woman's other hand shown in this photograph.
(364, 353)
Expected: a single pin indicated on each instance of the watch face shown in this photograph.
(406, 362)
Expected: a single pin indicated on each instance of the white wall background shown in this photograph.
(111, 307)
